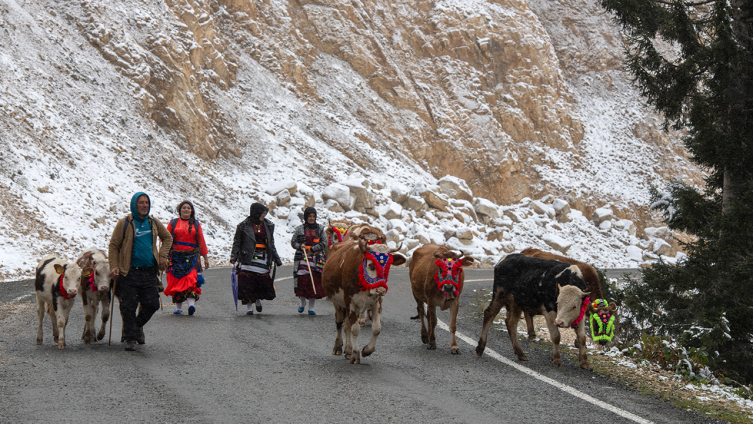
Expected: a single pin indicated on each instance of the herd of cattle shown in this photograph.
(355, 280)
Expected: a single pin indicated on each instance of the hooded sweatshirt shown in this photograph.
(141, 255)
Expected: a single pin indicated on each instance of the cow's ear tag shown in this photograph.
(59, 271)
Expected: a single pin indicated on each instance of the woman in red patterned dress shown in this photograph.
(188, 245)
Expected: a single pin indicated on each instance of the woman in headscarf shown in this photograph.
(254, 248)
(188, 244)
(308, 237)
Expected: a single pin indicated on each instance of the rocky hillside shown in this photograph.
(225, 101)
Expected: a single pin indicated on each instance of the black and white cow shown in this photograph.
(56, 286)
(538, 287)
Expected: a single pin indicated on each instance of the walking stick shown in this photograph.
(112, 304)
(311, 274)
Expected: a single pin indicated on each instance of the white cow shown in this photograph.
(56, 286)
(94, 289)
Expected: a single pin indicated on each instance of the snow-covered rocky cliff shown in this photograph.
(487, 125)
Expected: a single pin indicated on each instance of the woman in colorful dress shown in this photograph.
(188, 245)
(310, 237)
(254, 248)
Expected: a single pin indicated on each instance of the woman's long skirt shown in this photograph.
(304, 288)
(253, 286)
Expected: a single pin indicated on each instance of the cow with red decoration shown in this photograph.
(355, 280)
(95, 290)
(336, 232)
(436, 278)
(56, 286)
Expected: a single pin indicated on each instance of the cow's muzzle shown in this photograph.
(561, 324)
(104, 288)
(72, 292)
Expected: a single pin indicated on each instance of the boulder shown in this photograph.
(434, 199)
(625, 225)
(339, 193)
(512, 215)
(556, 242)
(661, 247)
(362, 197)
(296, 203)
(415, 203)
(485, 207)
(398, 225)
(508, 247)
(332, 206)
(391, 210)
(393, 235)
(283, 198)
(606, 225)
(276, 188)
(602, 214)
(464, 233)
(561, 209)
(399, 193)
(423, 239)
(455, 187)
(542, 209)
(659, 232)
(634, 253)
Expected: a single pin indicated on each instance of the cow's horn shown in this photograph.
(397, 248)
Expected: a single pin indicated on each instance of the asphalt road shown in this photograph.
(276, 366)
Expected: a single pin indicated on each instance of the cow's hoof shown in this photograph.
(355, 360)
(87, 341)
(365, 352)
(586, 367)
(100, 336)
(557, 363)
(455, 351)
(531, 336)
(55, 339)
(424, 339)
(522, 358)
(337, 351)
(431, 346)
(39, 341)
(61, 345)
(480, 348)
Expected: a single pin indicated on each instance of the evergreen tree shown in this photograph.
(693, 61)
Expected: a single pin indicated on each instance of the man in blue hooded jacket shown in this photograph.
(135, 262)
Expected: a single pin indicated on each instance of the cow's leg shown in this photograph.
(454, 307)
(105, 316)
(376, 328)
(63, 312)
(580, 337)
(490, 313)
(554, 335)
(421, 313)
(513, 317)
(40, 314)
(339, 320)
(88, 318)
(93, 323)
(529, 325)
(431, 317)
(355, 330)
(53, 317)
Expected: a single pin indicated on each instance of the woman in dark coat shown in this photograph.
(254, 249)
(309, 236)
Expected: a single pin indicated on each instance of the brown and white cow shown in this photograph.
(94, 289)
(355, 279)
(590, 277)
(540, 287)
(436, 278)
(371, 235)
(56, 286)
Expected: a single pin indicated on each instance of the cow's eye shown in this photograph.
(573, 307)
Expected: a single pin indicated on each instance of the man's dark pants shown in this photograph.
(138, 287)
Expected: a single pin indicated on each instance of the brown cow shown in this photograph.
(95, 289)
(337, 232)
(436, 277)
(373, 235)
(590, 277)
(355, 279)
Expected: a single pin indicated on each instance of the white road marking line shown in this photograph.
(283, 278)
(482, 279)
(545, 379)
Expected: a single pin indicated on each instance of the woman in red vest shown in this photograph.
(183, 281)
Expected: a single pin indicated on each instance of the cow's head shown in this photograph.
(375, 267)
(337, 230)
(67, 280)
(450, 268)
(571, 306)
(97, 275)
(603, 317)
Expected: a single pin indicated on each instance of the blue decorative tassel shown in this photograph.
(199, 280)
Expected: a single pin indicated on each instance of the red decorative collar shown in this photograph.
(62, 290)
(577, 321)
(92, 286)
(381, 262)
(448, 273)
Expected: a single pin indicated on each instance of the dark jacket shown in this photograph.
(244, 243)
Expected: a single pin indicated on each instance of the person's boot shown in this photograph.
(141, 337)
(130, 346)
